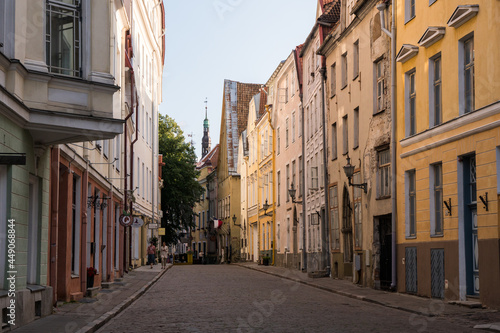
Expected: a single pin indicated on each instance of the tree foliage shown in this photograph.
(181, 189)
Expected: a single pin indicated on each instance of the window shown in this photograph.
(334, 218)
(334, 141)
(117, 152)
(345, 133)
(286, 133)
(358, 220)
(266, 146)
(318, 57)
(63, 36)
(355, 63)
(410, 103)
(278, 140)
(384, 174)
(293, 176)
(356, 129)
(75, 225)
(293, 126)
(435, 114)
(287, 182)
(300, 124)
(344, 70)
(286, 89)
(300, 176)
(321, 169)
(411, 203)
(409, 10)
(333, 80)
(469, 75)
(436, 198)
(379, 77)
(314, 173)
(105, 148)
(270, 142)
(279, 187)
(293, 81)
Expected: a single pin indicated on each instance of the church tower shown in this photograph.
(205, 142)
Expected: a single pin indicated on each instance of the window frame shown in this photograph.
(383, 169)
(344, 77)
(435, 108)
(410, 96)
(436, 198)
(410, 204)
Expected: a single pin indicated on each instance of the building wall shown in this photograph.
(451, 143)
(353, 109)
(287, 115)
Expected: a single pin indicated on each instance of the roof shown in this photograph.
(210, 159)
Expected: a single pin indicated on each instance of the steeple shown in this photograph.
(205, 142)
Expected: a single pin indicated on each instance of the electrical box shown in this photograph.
(357, 262)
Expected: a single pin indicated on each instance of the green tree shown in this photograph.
(181, 189)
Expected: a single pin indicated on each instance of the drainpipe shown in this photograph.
(273, 249)
(381, 7)
(304, 254)
(325, 171)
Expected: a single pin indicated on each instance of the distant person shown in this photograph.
(164, 255)
(151, 254)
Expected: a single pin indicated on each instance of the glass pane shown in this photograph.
(437, 104)
(437, 69)
(412, 83)
(438, 196)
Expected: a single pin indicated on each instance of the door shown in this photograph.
(104, 232)
(470, 226)
(385, 237)
(347, 229)
(437, 273)
(255, 244)
(295, 225)
(411, 269)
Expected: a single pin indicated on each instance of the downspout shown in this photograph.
(325, 171)
(273, 250)
(381, 7)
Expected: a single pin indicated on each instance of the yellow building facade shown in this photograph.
(448, 122)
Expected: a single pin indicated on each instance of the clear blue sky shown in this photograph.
(208, 41)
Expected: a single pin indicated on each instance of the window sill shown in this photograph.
(334, 158)
(379, 112)
(75, 276)
(343, 87)
(356, 147)
(355, 77)
(410, 237)
(385, 197)
(437, 236)
(410, 19)
(332, 96)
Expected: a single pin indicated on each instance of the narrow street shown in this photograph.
(229, 298)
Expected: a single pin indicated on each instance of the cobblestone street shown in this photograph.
(229, 298)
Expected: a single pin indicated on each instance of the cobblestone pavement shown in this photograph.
(228, 298)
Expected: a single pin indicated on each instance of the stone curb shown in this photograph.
(343, 293)
(105, 318)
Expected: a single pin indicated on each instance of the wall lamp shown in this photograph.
(234, 221)
(292, 191)
(266, 207)
(349, 172)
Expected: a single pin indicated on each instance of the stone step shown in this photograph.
(118, 279)
(469, 304)
(75, 297)
(106, 285)
(318, 274)
(92, 292)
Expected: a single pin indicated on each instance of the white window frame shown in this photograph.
(409, 95)
(355, 62)
(433, 84)
(433, 188)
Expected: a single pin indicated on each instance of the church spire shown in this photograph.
(205, 142)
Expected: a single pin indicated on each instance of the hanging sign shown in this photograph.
(138, 222)
(161, 231)
(125, 220)
(153, 226)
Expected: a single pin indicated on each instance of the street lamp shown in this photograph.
(234, 221)
(266, 207)
(291, 192)
(349, 171)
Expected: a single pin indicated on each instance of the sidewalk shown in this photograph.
(428, 307)
(89, 314)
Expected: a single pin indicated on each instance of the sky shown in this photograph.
(208, 41)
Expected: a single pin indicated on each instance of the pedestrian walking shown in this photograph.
(151, 254)
(164, 255)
